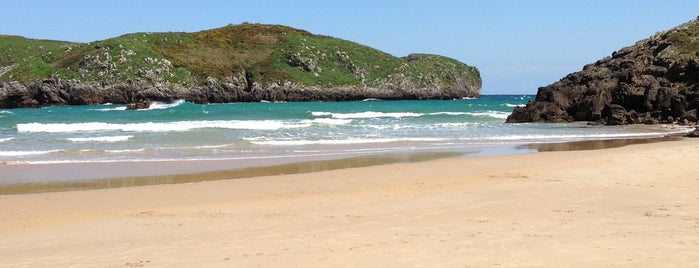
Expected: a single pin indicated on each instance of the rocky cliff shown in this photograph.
(654, 81)
(236, 63)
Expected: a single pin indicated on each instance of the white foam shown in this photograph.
(118, 108)
(339, 142)
(101, 139)
(6, 139)
(158, 105)
(125, 151)
(158, 126)
(327, 121)
(5, 112)
(26, 153)
(449, 113)
(456, 125)
(365, 115)
(318, 114)
(493, 114)
(510, 105)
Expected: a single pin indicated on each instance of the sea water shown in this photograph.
(186, 131)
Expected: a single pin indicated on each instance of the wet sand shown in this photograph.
(37, 178)
(630, 206)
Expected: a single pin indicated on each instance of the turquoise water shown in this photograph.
(185, 131)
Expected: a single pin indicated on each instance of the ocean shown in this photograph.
(186, 131)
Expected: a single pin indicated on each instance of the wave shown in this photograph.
(449, 113)
(6, 139)
(319, 114)
(510, 105)
(493, 114)
(159, 105)
(457, 125)
(6, 112)
(26, 153)
(338, 142)
(366, 115)
(101, 139)
(119, 108)
(157, 126)
(125, 151)
(327, 121)
(371, 114)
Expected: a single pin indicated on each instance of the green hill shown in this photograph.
(245, 55)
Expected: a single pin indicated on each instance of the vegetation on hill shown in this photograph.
(263, 54)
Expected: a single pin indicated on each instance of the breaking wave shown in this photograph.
(101, 139)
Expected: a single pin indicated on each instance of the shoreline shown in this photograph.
(635, 205)
(39, 178)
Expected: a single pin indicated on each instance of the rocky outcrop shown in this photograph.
(654, 81)
(235, 63)
(56, 92)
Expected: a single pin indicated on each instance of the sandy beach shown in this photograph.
(633, 206)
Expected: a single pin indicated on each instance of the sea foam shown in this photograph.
(158, 126)
(366, 115)
(339, 142)
(118, 108)
(493, 114)
(101, 139)
(26, 153)
(158, 105)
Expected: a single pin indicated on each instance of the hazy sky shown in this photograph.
(517, 45)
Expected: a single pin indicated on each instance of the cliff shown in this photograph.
(236, 63)
(654, 81)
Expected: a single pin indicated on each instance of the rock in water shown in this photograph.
(654, 81)
(694, 134)
(139, 105)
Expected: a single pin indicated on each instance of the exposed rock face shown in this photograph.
(654, 81)
(235, 63)
(139, 95)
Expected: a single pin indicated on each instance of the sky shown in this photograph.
(518, 46)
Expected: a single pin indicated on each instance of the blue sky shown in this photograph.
(517, 45)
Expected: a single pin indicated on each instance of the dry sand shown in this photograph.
(632, 206)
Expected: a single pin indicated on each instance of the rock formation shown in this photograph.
(57, 92)
(654, 81)
(236, 63)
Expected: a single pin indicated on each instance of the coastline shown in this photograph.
(635, 205)
(50, 177)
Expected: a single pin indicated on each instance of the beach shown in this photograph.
(631, 206)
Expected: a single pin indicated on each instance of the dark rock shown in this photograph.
(139, 105)
(53, 92)
(616, 115)
(657, 79)
(694, 134)
(690, 115)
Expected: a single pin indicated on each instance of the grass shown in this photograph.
(32, 59)
(265, 53)
(684, 40)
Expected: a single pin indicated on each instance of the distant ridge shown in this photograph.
(654, 81)
(235, 63)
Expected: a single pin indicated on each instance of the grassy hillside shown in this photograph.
(25, 59)
(260, 53)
